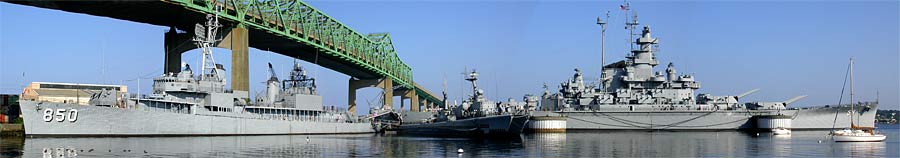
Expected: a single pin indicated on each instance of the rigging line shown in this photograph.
(676, 124)
(648, 127)
(583, 120)
(841, 98)
(651, 124)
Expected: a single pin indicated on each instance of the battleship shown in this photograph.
(476, 116)
(630, 96)
(183, 104)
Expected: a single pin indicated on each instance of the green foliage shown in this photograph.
(887, 116)
(17, 121)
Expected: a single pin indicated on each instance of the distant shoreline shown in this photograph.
(887, 116)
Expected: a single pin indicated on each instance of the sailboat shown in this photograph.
(856, 133)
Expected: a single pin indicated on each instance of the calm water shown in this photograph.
(577, 144)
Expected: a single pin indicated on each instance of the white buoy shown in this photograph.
(820, 141)
(460, 150)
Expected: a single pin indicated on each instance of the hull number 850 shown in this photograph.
(60, 115)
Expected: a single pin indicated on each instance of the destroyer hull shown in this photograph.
(106, 121)
(817, 118)
(509, 125)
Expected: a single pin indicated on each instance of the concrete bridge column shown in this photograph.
(402, 100)
(413, 100)
(356, 84)
(238, 41)
(424, 104)
(408, 94)
(431, 104)
(171, 41)
(388, 86)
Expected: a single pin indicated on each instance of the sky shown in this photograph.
(785, 48)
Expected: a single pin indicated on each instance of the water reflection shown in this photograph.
(572, 144)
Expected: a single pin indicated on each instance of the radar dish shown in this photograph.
(200, 32)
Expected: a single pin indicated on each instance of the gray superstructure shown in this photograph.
(185, 104)
(631, 95)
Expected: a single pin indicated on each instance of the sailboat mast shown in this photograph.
(852, 110)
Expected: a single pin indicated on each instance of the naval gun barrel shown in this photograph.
(747, 93)
(792, 100)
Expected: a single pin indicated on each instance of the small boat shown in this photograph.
(476, 116)
(856, 133)
(781, 131)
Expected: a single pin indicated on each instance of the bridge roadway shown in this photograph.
(288, 27)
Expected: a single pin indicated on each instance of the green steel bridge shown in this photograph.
(288, 27)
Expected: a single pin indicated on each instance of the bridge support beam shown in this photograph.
(174, 45)
(408, 94)
(388, 86)
(384, 84)
(413, 100)
(430, 105)
(238, 41)
(424, 104)
(240, 48)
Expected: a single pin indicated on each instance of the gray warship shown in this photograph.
(184, 104)
(475, 116)
(630, 96)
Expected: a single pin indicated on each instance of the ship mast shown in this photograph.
(205, 37)
(630, 25)
(473, 76)
(852, 108)
(602, 50)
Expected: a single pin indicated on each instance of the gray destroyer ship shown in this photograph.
(476, 116)
(185, 104)
(630, 96)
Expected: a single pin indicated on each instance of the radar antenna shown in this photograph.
(630, 25)
(205, 36)
(473, 76)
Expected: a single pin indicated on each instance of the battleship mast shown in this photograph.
(602, 49)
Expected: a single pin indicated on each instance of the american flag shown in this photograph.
(624, 6)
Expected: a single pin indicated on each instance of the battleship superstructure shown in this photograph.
(632, 96)
(185, 104)
(475, 116)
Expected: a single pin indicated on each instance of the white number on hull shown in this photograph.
(73, 115)
(48, 115)
(60, 114)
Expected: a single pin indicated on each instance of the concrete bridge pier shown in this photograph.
(174, 44)
(424, 104)
(427, 104)
(384, 84)
(237, 40)
(408, 94)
